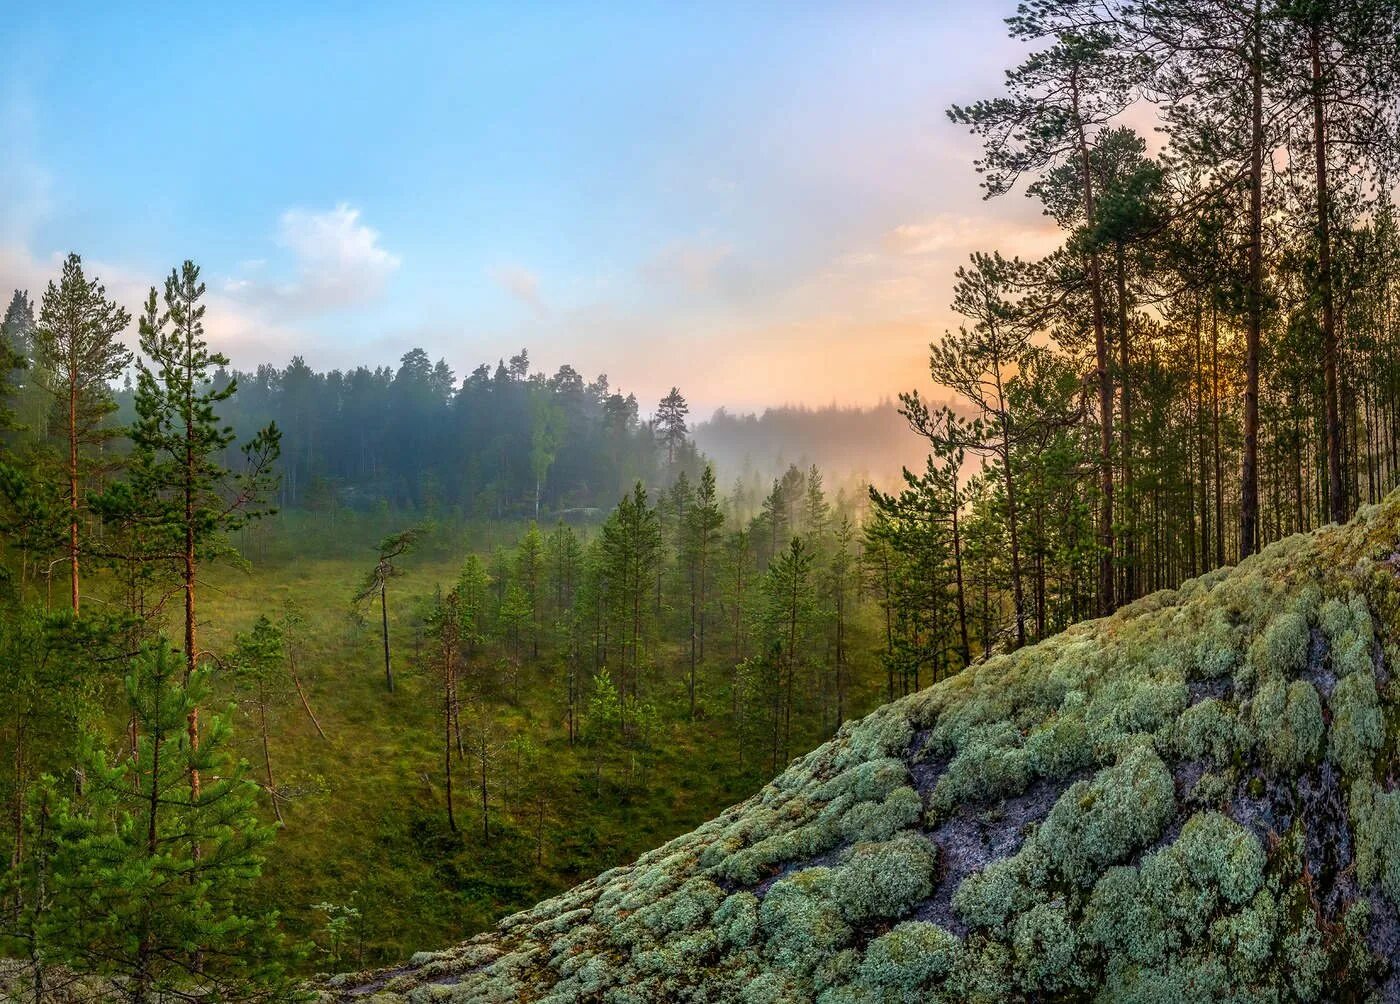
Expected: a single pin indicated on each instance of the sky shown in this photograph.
(759, 203)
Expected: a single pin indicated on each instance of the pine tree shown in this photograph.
(978, 363)
(839, 575)
(483, 746)
(1218, 72)
(473, 590)
(700, 541)
(179, 488)
(816, 511)
(670, 423)
(789, 601)
(164, 919)
(564, 568)
(445, 627)
(1340, 79)
(631, 550)
(76, 346)
(16, 334)
(257, 662)
(530, 576)
(376, 584)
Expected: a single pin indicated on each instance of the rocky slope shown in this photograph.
(1195, 799)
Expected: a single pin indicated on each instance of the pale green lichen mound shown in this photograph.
(1194, 799)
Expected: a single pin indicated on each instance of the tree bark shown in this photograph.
(73, 483)
(1249, 463)
(1336, 491)
(384, 624)
(1130, 570)
(1104, 379)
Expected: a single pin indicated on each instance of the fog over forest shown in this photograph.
(851, 444)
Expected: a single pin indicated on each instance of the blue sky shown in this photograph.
(761, 203)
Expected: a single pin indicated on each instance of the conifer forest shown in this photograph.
(311, 667)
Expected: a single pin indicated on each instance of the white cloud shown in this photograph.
(339, 262)
(230, 325)
(520, 283)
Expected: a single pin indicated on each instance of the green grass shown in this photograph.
(365, 823)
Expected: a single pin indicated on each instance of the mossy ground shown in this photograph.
(1193, 799)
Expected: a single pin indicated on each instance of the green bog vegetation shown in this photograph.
(1193, 799)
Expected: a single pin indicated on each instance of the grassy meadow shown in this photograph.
(365, 827)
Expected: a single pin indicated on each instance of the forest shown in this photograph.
(306, 671)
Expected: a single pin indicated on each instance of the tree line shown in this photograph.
(1209, 360)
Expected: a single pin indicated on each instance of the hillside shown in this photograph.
(1194, 799)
